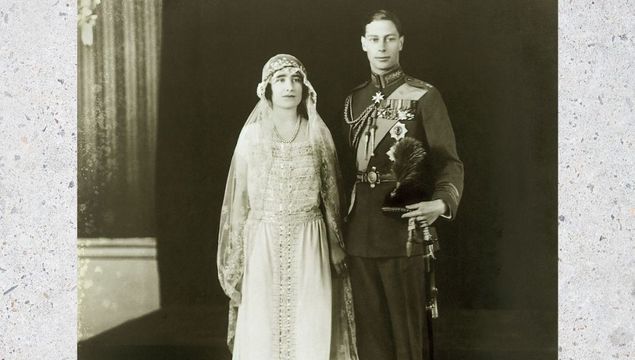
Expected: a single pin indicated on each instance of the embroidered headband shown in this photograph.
(276, 63)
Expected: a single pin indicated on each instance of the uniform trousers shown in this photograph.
(389, 296)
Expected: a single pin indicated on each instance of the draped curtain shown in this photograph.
(117, 119)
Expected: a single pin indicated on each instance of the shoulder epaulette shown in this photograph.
(418, 83)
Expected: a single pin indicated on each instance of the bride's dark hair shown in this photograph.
(302, 110)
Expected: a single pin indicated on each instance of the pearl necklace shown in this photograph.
(289, 140)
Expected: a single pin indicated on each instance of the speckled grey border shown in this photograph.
(596, 179)
(38, 84)
(38, 166)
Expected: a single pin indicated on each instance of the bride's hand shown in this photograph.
(338, 259)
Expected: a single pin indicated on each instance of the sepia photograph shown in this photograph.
(334, 180)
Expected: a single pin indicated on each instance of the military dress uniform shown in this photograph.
(388, 286)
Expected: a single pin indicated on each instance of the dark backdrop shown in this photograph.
(494, 61)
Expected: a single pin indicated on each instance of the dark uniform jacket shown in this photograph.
(369, 232)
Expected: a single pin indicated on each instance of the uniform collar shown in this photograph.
(387, 79)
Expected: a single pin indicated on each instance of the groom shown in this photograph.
(388, 284)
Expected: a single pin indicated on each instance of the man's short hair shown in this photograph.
(383, 15)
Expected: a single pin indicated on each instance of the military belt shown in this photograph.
(373, 177)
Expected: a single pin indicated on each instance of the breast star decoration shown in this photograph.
(397, 132)
(378, 97)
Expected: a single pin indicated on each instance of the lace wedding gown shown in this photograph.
(285, 312)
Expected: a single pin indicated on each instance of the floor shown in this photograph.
(198, 333)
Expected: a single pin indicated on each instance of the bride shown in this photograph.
(280, 229)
